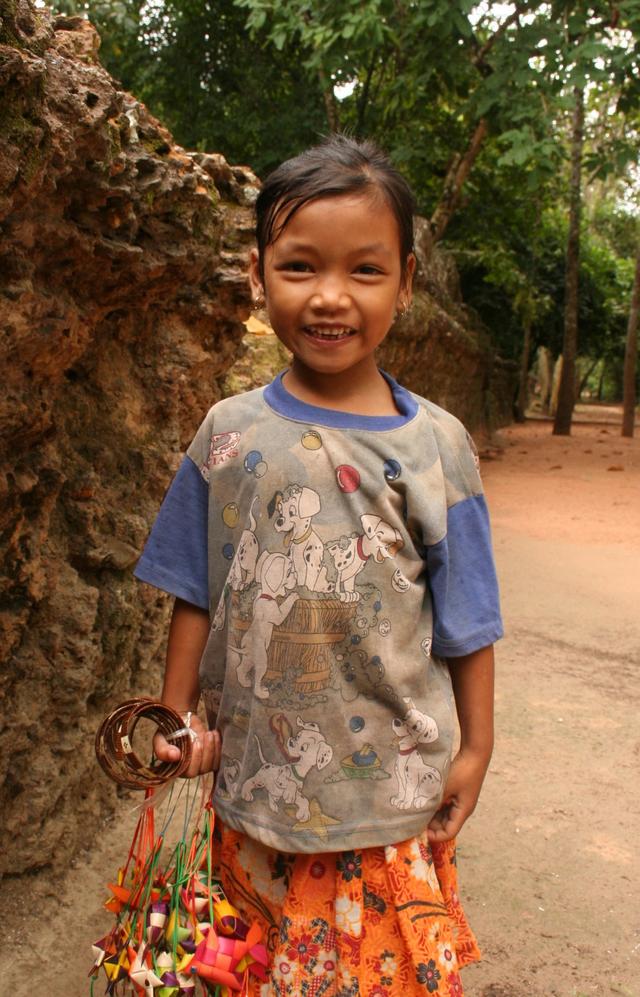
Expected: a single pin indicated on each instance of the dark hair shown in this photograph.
(339, 165)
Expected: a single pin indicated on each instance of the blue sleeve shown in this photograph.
(175, 556)
(462, 578)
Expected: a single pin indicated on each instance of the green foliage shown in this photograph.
(503, 287)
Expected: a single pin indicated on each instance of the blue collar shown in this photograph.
(281, 401)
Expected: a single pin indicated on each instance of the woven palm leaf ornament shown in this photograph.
(175, 932)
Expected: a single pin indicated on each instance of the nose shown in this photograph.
(330, 293)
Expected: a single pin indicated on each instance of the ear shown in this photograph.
(271, 508)
(405, 294)
(255, 280)
(370, 523)
(309, 503)
(324, 756)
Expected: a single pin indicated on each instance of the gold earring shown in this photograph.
(258, 299)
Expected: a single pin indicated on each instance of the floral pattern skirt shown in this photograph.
(377, 922)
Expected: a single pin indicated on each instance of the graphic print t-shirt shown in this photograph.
(341, 558)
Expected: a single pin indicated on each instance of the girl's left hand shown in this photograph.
(461, 793)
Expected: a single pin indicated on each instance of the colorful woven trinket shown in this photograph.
(175, 933)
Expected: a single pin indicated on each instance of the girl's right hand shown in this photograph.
(205, 750)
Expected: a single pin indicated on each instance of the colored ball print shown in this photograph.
(253, 458)
(230, 515)
(311, 440)
(356, 724)
(392, 470)
(228, 551)
(254, 464)
(348, 478)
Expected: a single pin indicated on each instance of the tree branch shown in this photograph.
(481, 53)
(454, 180)
(330, 104)
(364, 96)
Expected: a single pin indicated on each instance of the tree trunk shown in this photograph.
(456, 176)
(523, 387)
(567, 391)
(631, 356)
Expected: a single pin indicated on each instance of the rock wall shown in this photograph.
(122, 301)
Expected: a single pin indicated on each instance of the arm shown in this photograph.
(188, 635)
(472, 678)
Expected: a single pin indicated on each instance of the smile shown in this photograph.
(332, 333)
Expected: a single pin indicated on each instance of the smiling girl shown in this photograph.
(327, 542)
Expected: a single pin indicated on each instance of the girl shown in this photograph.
(327, 542)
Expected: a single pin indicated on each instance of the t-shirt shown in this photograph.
(341, 558)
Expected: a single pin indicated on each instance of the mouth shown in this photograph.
(331, 334)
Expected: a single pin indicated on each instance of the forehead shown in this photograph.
(354, 221)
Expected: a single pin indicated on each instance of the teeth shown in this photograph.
(334, 333)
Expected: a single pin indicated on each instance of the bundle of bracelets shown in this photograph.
(115, 751)
(175, 932)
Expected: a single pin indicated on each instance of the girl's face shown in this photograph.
(333, 282)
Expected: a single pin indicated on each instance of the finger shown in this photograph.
(209, 752)
(446, 823)
(195, 764)
(443, 833)
(164, 751)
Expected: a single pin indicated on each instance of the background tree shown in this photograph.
(567, 390)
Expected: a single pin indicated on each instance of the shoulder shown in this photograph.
(443, 422)
(456, 448)
(219, 433)
(234, 405)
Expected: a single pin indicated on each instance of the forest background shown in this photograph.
(517, 124)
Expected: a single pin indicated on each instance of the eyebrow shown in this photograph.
(308, 247)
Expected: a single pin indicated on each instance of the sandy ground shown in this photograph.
(549, 862)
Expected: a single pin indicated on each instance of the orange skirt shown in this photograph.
(376, 922)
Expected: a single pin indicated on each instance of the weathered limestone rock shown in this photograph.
(122, 298)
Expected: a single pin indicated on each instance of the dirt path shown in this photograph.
(549, 863)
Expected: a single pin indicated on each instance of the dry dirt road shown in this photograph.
(550, 869)
(549, 862)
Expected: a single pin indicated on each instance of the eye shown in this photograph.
(369, 270)
(296, 266)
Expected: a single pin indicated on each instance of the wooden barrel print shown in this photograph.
(302, 645)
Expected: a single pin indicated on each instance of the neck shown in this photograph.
(360, 390)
